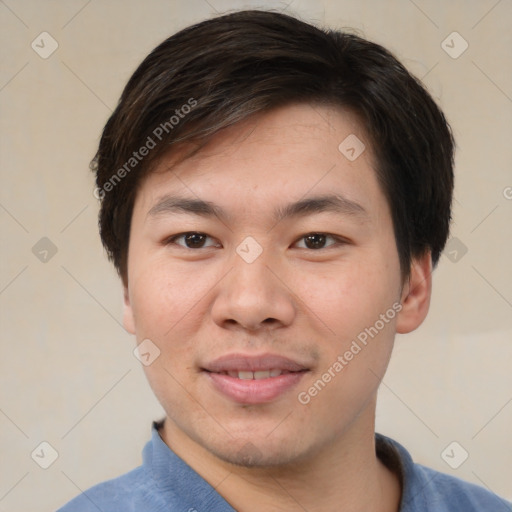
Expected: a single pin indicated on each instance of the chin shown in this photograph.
(250, 456)
(260, 453)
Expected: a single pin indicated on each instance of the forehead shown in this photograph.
(289, 152)
(300, 125)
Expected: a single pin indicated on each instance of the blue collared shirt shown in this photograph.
(164, 482)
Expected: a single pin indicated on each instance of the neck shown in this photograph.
(346, 473)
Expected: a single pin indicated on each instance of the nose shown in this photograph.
(254, 296)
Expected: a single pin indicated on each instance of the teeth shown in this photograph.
(263, 374)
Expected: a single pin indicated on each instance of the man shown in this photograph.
(274, 198)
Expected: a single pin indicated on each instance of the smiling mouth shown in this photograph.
(258, 375)
(250, 366)
(254, 379)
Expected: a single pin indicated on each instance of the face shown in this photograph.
(265, 271)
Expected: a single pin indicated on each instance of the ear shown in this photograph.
(416, 295)
(128, 320)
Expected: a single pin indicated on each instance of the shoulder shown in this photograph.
(163, 482)
(427, 490)
(440, 492)
(127, 493)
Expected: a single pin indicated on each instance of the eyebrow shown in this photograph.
(334, 203)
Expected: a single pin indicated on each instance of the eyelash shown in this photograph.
(338, 240)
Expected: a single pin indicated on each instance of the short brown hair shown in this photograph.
(228, 68)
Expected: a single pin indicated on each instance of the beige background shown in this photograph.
(68, 375)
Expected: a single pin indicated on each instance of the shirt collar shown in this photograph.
(394, 456)
(180, 484)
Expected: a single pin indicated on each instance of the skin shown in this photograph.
(307, 304)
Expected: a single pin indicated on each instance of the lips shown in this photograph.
(262, 374)
(244, 363)
(254, 379)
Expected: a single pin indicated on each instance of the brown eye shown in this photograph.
(191, 240)
(315, 241)
(319, 241)
(194, 240)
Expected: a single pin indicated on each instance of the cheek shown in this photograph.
(363, 314)
(163, 298)
(167, 310)
(350, 297)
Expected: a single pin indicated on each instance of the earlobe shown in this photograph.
(128, 320)
(416, 295)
